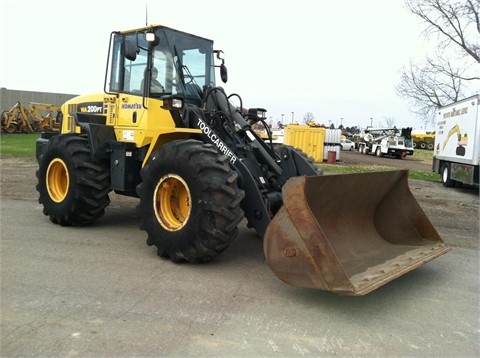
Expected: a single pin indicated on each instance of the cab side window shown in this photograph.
(134, 70)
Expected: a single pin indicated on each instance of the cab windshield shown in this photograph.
(179, 64)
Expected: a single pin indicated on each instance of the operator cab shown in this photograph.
(159, 62)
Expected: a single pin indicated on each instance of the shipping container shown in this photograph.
(314, 141)
(308, 139)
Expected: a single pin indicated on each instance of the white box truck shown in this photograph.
(457, 142)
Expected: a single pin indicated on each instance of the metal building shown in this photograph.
(8, 98)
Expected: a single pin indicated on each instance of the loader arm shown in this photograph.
(263, 171)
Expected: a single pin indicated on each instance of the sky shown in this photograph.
(339, 60)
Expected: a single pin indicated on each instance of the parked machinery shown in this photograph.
(423, 140)
(387, 141)
(31, 119)
(198, 169)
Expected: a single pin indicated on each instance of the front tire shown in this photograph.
(73, 188)
(189, 201)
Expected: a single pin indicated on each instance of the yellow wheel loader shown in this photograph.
(164, 132)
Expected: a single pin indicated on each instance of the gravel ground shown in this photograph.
(453, 211)
(354, 157)
(100, 291)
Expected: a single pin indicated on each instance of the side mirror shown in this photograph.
(130, 50)
(223, 68)
(223, 73)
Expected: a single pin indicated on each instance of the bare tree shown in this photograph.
(430, 85)
(390, 121)
(443, 78)
(307, 117)
(454, 22)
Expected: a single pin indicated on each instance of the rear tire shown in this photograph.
(446, 176)
(189, 201)
(73, 189)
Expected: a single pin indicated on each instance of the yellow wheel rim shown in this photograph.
(58, 180)
(172, 202)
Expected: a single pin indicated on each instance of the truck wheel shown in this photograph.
(430, 146)
(423, 145)
(73, 189)
(446, 180)
(378, 152)
(189, 201)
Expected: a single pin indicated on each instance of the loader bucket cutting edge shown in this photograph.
(349, 234)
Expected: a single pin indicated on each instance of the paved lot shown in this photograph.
(100, 291)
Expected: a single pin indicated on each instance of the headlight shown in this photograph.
(171, 103)
(261, 114)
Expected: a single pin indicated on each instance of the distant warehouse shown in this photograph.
(8, 98)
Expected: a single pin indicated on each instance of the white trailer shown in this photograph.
(387, 141)
(457, 142)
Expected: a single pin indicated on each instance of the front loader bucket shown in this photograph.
(349, 234)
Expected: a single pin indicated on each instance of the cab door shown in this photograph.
(130, 105)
